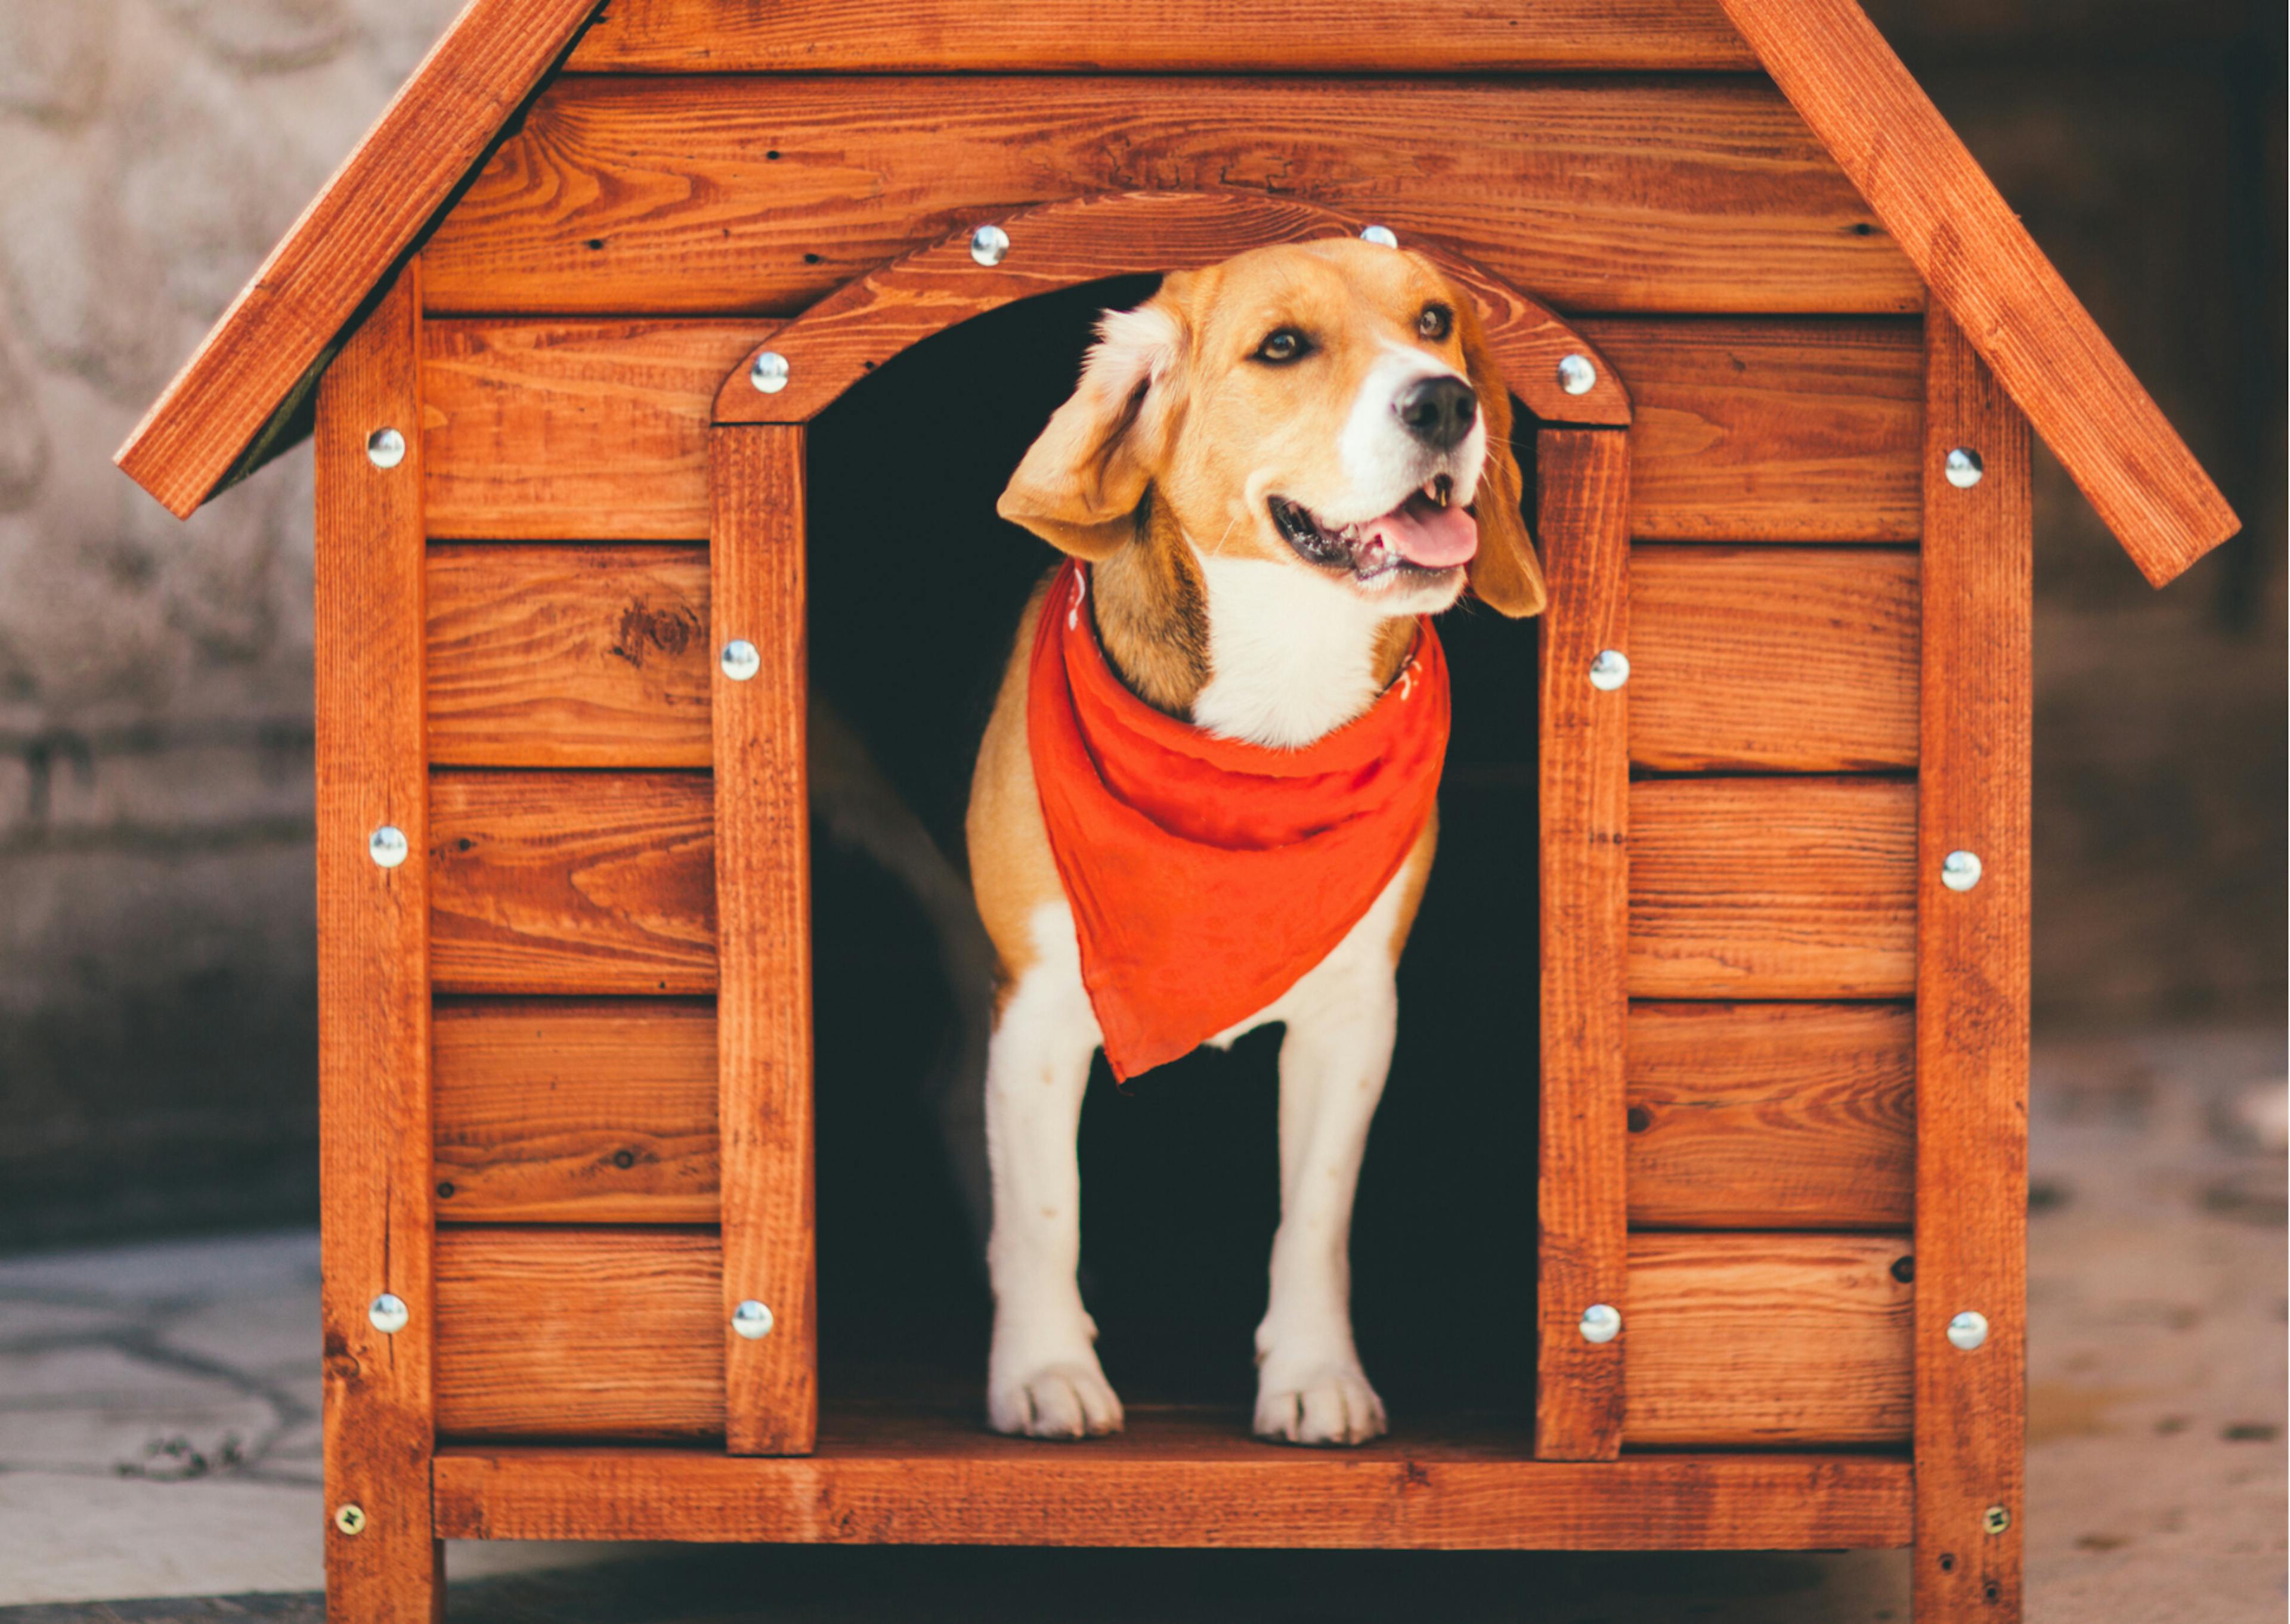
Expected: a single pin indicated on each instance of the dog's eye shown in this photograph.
(1283, 344)
(1436, 322)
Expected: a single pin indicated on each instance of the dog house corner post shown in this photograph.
(1582, 1318)
(763, 929)
(1973, 842)
(377, 1301)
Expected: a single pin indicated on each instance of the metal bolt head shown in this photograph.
(1968, 1330)
(1576, 375)
(389, 1313)
(1963, 468)
(741, 660)
(1995, 1519)
(385, 448)
(1610, 670)
(989, 244)
(1601, 1322)
(387, 845)
(350, 1518)
(769, 374)
(1960, 870)
(1382, 236)
(752, 1320)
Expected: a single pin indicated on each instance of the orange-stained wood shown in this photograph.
(1972, 995)
(1768, 1340)
(373, 984)
(585, 656)
(1585, 479)
(555, 1110)
(227, 409)
(1986, 272)
(1772, 1116)
(579, 1333)
(572, 882)
(1772, 888)
(763, 902)
(853, 331)
(737, 195)
(1772, 659)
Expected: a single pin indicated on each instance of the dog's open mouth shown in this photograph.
(1429, 534)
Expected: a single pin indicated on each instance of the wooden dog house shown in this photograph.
(560, 323)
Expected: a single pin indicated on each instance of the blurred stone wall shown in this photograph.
(156, 1024)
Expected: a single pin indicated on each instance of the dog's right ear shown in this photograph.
(1080, 483)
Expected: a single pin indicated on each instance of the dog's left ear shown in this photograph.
(1505, 574)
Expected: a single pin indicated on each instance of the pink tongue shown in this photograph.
(1436, 537)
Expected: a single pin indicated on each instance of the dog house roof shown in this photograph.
(247, 393)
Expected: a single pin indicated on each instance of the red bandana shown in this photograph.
(1207, 875)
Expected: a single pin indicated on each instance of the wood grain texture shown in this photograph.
(1771, 431)
(1772, 659)
(1986, 272)
(373, 990)
(763, 900)
(269, 345)
(573, 430)
(588, 656)
(1583, 478)
(580, 1333)
(574, 1111)
(572, 882)
(1972, 995)
(1772, 1116)
(737, 195)
(1160, 35)
(1772, 888)
(888, 1475)
(860, 327)
(1768, 1340)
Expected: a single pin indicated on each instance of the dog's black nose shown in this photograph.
(1438, 411)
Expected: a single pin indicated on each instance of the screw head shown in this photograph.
(1995, 1519)
(1382, 236)
(752, 1320)
(389, 1313)
(1602, 1322)
(1960, 870)
(769, 374)
(350, 1518)
(1968, 1330)
(1577, 375)
(385, 448)
(1610, 670)
(387, 845)
(989, 244)
(741, 660)
(1963, 468)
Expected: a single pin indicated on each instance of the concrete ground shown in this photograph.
(159, 1440)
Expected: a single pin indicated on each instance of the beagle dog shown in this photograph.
(1271, 472)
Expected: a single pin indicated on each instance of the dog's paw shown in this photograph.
(1330, 1403)
(1070, 1398)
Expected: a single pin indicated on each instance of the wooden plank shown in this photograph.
(373, 990)
(1583, 478)
(1161, 35)
(572, 1333)
(734, 195)
(1772, 888)
(762, 898)
(1771, 431)
(1772, 1116)
(574, 1111)
(573, 430)
(568, 656)
(255, 367)
(1769, 1340)
(1772, 659)
(1173, 1478)
(1972, 995)
(1986, 272)
(571, 883)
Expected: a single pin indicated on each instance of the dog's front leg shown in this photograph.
(1043, 1378)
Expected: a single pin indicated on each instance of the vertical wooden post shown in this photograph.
(1971, 993)
(762, 926)
(1584, 478)
(382, 1564)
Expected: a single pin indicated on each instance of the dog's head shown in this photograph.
(1331, 405)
